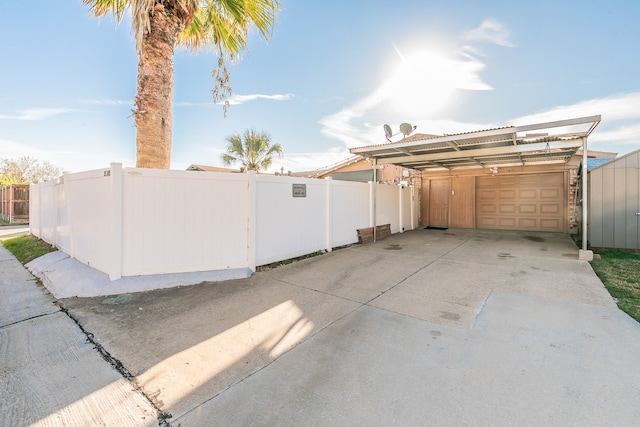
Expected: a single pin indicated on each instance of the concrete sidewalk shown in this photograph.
(51, 374)
(13, 230)
(430, 327)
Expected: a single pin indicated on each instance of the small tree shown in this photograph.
(26, 170)
(253, 150)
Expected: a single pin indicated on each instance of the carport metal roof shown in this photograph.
(542, 143)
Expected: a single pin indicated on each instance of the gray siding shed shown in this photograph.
(614, 203)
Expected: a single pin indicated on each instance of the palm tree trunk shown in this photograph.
(154, 100)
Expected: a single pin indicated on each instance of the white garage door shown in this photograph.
(521, 202)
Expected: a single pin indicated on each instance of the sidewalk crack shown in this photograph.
(163, 417)
(17, 322)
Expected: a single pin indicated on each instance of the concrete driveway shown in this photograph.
(429, 327)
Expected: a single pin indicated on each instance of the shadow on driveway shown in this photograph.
(426, 327)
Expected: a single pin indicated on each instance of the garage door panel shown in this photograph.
(521, 202)
(507, 195)
(529, 209)
(488, 195)
(550, 193)
(507, 223)
(527, 223)
(487, 209)
(550, 179)
(488, 222)
(506, 180)
(530, 180)
(553, 209)
(507, 209)
(530, 194)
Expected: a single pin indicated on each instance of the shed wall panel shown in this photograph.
(608, 206)
(632, 161)
(595, 207)
(619, 191)
(632, 226)
(614, 200)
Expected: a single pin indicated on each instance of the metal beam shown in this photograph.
(509, 132)
(454, 145)
(560, 123)
(480, 152)
(405, 151)
(445, 139)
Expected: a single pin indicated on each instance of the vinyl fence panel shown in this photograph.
(47, 212)
(131, 222)
(290, 217)
(387, 206)
(350, 211)
(84, 217)
(183, 221)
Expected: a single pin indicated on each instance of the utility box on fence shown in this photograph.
(14, 203)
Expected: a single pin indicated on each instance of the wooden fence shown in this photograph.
(14, 204)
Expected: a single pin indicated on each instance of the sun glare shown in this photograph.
(422, 83)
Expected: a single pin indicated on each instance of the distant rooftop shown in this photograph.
(594, 163)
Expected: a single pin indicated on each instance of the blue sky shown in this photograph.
(332, 75)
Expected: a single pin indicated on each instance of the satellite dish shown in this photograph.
(406, 129)
(387, 131)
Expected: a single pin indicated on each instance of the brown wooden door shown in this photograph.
(439, 202)
(462, 207)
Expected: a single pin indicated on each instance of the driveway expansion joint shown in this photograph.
(163, 417)
(419, 270)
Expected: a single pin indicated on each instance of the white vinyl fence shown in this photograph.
(132, 222)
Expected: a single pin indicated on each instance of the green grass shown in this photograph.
(620, 273)
(27, 248)
(4, 221)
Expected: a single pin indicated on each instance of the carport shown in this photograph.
(513, 178)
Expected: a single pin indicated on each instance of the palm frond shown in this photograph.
(253, 150)
(102, 8)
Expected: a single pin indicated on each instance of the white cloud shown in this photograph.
(14, 150)
(299, 162)
(237, 100)
(35, 114)
(73, 161)
(193, 104)
(620, 135)
(611, 108)
(241, 99)
(339, 126)
(491, 30)
(618, 132)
